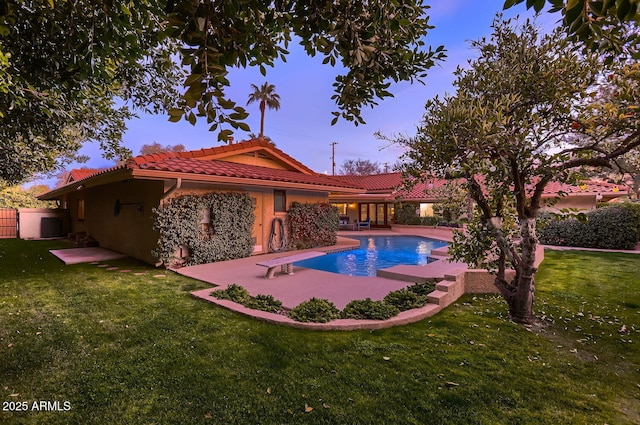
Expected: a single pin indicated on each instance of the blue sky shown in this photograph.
(301, 127)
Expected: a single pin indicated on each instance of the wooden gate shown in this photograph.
(8, 223)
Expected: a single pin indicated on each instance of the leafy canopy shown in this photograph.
(609, 26)
(63, 64)
(509, 130)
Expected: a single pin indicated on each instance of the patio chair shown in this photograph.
(365, 224)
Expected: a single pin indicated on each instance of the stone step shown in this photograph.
(437, 297)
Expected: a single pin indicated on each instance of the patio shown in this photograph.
(305, 284)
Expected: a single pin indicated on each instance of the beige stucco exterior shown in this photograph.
(31, 221)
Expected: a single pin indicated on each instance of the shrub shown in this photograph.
(405, 299)
(406, 214)
(613, 227)
(312, 225)
(634, 210)
(235, 293)
(368, 309)
(265, 303)
(422, 288)
(228, 236)
(315, 310)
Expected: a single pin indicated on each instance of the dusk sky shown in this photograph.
(301, 127)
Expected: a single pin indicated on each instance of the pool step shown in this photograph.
(446, 292)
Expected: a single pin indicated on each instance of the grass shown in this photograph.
(130, 349)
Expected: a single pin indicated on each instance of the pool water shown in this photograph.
(376, 252)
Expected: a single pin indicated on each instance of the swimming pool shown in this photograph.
(376, 252)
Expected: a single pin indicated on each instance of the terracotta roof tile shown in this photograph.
(232, 169)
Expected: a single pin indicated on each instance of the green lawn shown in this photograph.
(126, 349)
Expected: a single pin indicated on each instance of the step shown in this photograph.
(437, 297)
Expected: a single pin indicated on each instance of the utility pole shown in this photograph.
(333, 158)
(386, 167)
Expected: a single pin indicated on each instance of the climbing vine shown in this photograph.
(224, 235)
(312, 225)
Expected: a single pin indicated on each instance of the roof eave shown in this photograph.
(238, 181)
(112, 176)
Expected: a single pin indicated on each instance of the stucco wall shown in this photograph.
(131, 231)
(31, 221)
(578, 202)
(264, 211)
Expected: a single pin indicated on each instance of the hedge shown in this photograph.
(615, 227)
(228, 236)
(312, 225)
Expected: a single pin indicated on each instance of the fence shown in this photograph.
(8, 223)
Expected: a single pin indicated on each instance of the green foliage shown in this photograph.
(509, 131)
(422, 289)
(18, 197)
(266, 97)
(265, 303)
(634, 210)
(606, 228)
(404, 299)
(233, 292)
(315, 310)
(406, 213)
(385, 45)
(126, 349)
(240, 295)
(63, 64)
(228, 236)
(312, 225)
(601, 25)
(368, 309)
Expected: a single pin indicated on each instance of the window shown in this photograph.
(279, 201)
(80, 209)
(426, 210)
(342, 208)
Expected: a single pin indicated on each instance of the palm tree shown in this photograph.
(266, 95)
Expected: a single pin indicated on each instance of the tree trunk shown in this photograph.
(262, 109)
(521, 298)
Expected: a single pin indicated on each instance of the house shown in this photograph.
(115, 206)
(380, 193)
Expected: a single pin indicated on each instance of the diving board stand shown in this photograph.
(286, 263)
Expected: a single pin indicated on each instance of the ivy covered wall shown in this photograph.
(312, 225)
(211, 227)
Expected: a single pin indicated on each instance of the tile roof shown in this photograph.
(249, 145)
(232, 169)
(82, 173)
(373, 182)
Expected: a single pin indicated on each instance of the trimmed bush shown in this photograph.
(315, 310)
(235, 293)
(405, 299)
(606, 228)
(368, 309)
(312, 225)
(423, 289)
(265, 303)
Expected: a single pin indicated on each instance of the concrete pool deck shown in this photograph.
(305, 284)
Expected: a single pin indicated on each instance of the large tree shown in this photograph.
(510, 129)
(266, 97)
(359, 167)
(63, 64)
(598, 25)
